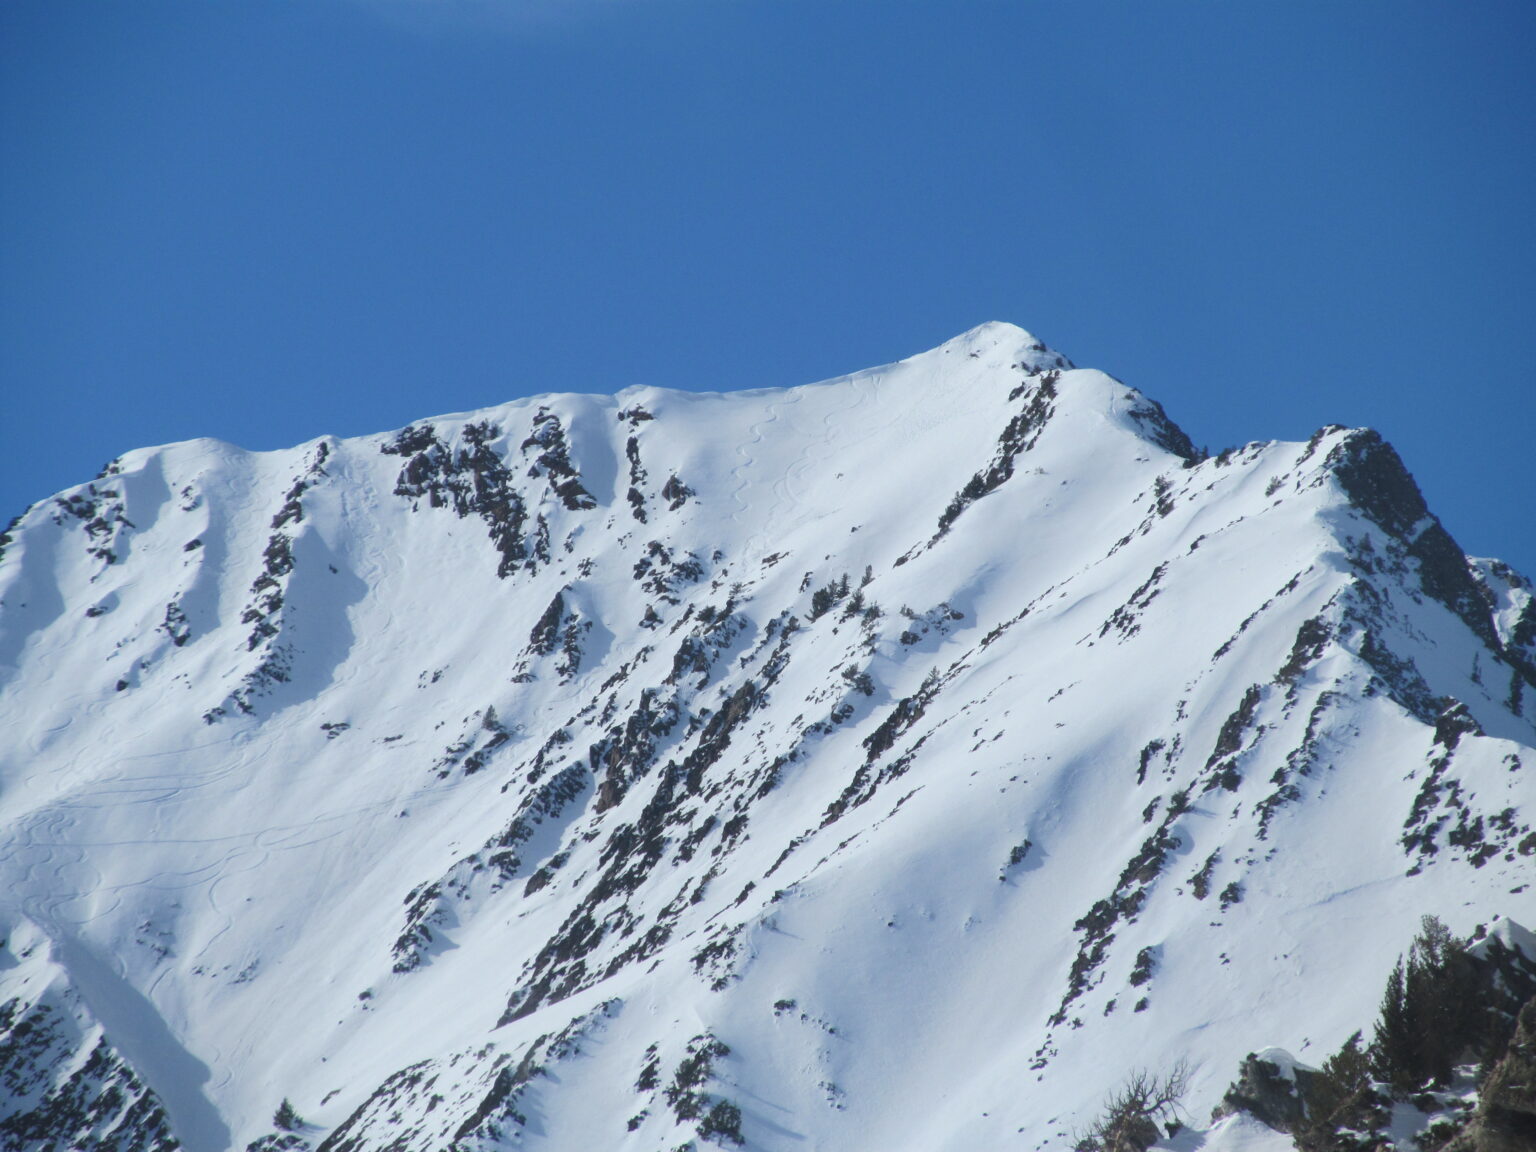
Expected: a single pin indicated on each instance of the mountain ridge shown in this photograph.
(584, 713)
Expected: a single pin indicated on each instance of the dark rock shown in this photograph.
(1505, 1120)
(1271, 1088)
(1376, 481)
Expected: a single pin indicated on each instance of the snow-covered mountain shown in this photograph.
(893, 763)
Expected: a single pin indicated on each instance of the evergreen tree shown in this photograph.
(1392, 1050)
(1453, 1015)
(286, 1118)
(1339, 1097)
(1431, 1012)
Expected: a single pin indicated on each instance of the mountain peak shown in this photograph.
(1007, 343)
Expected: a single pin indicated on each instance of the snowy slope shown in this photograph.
(893, 762)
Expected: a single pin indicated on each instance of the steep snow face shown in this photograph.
(892, 763)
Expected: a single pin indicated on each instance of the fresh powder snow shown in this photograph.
(896, 762)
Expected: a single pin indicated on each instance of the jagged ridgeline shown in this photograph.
(914, 760)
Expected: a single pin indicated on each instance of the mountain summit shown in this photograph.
(896, 762)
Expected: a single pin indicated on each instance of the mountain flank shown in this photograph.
(911, 760)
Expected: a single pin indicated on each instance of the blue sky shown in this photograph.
(264, 222)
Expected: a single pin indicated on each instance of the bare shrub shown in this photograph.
(1130, 1119)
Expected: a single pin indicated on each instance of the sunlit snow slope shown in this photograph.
(890, 763)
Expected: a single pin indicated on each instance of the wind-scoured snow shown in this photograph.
(889, 763)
